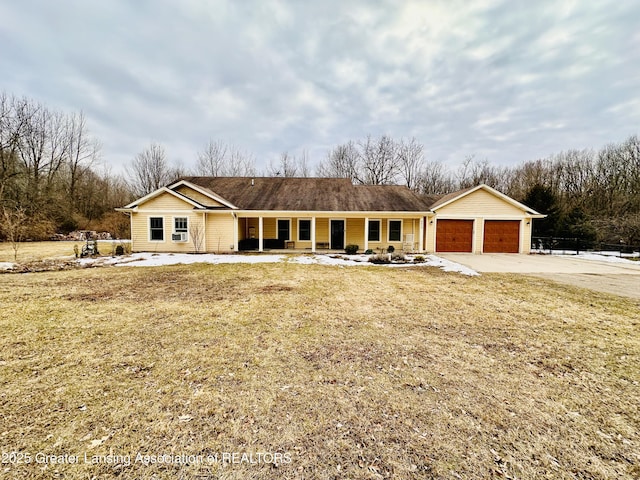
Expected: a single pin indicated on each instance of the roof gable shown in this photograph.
(456, 196)
(200, 194)
(161, 191)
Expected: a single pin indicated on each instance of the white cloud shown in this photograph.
(280, 75)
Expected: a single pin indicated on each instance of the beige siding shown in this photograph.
(322, 230)
(478, 235)
(480, 203)
(355, 232)
(270, 228)
(167, 202)
(219, 232)
(525, 241)
(140, 233)
(198, 197)
(430, 234)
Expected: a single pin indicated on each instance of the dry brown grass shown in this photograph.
(38, 251)
(354, 372)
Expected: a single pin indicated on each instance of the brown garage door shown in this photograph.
(501, 236)
(454, 235)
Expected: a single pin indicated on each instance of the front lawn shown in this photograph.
(314, 371)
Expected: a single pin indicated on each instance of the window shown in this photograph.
(283, 229)
(374, 231)
(395, 230)
(304, 230)
(180, 225)
(156, 229)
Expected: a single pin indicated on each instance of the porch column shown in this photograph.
(313, 234)
(260, 234)
(235, 232)
(204, 231)
(366, 233)
(421, 240)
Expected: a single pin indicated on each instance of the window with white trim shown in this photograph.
(395, 230)
(156, 229)
(373, 232)
(304, 230)
(180, 225)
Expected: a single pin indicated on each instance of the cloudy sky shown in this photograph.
(508, 80)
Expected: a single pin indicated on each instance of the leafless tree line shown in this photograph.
(48, 170)
(376, 161)
(586, 192)
(51, 176)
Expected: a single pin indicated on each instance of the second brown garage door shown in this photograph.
(501, 236)
(454, 235)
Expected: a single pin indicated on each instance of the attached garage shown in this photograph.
(501, 236)
(479, 219)
(454, 236)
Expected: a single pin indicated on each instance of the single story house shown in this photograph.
(230, 214)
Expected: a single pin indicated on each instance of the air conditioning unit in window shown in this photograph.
(179, 237)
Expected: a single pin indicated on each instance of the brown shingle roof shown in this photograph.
(310, 194)
(449, 196)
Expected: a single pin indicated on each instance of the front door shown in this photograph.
(284, 231)
(337, 234)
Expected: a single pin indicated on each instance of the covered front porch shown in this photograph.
(330, 232)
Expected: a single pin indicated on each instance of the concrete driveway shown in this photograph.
(621, 278)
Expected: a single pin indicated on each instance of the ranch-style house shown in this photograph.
(231, 214)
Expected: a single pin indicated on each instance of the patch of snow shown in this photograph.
(161, 259)
(304, 259)
(598, 254)
(603, 257)
(7, 266)
(448, 265)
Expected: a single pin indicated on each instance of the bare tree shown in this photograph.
(13, 227)
(341, 162)
(472, 173)
(240, 164)
(196, 232)
(304, 169)
(56, 146)
(12, 126)
(82, 152)
(221, 160)
(149, 170)
(410, 161)
(33, 148)
(379, 161)
(211, 161)
(435, 179)
(287, 166)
